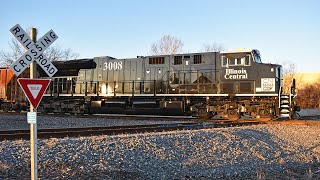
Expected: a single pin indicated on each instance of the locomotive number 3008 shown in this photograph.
(112, 65)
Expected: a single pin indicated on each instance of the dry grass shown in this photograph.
(309, 174)
(19, 141)
(4, 167)
(258, 155)
(51, 142)
(317, 150)
(260, 174)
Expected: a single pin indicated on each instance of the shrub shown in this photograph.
(309, 96)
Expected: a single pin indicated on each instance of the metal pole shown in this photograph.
(33, 126)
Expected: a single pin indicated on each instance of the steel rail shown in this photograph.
(90, 131)
(114, 130)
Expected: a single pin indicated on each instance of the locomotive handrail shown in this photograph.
(94, 87)
(292, 96)
(89, 88)
(279, 96)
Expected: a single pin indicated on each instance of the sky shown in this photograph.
(284, 31)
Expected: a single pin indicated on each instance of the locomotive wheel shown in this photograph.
(40, 108)
(5, 107)
(233, 114)
(45, 111)
(75, 110)
(264, 115)
(265, 112)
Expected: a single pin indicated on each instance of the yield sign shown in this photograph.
(34, 89)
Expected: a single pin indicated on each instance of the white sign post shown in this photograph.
(34, 52)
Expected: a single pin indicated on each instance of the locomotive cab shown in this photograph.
(244, 73)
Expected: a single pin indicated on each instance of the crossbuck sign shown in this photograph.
(34, 51)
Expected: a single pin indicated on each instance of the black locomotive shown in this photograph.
(223, 84)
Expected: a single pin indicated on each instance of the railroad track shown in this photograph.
(125, 116)
(94, 131)
(111, 116)
(294, 122)
(155, 117)
(278, 121)
(113, 130)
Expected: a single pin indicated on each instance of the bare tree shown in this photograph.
(54, 53)
(215, 47)
(288, 76)
(167, 45)
(289, 73)
(7, 58)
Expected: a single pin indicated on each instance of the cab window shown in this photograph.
(235, 60)
(256, 56)
(232, 62)
(247, 60)
(238, 61)
(224, 61)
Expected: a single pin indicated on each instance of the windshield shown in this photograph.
(235, 59)
(256, 56)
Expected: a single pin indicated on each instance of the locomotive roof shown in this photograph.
(240, 50)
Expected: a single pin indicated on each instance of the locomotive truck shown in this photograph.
(204, 84)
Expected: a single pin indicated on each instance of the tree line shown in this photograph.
(167, 44)
(308, 95)
(53, 53)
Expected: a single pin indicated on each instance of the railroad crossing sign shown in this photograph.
(34, 89)
(34, 51)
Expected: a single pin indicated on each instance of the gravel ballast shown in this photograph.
(254, 152)
(19, 121)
